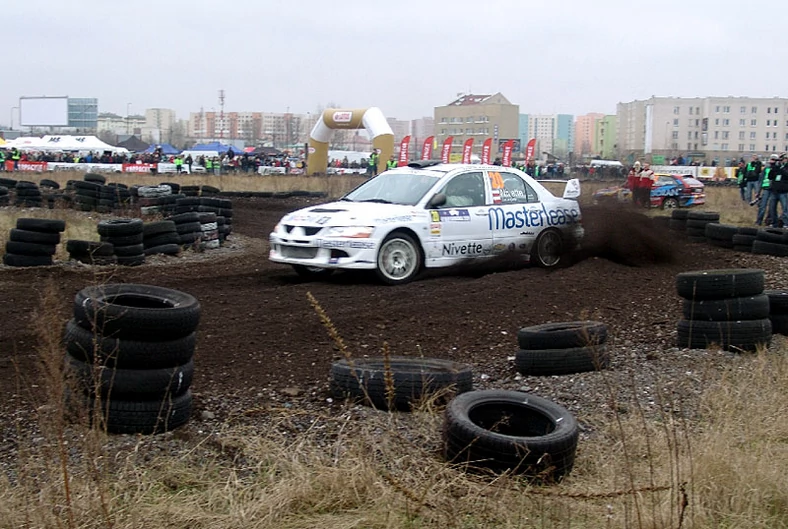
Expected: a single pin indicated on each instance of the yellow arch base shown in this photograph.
(371, 119)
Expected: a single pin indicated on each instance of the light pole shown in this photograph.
(11, 126)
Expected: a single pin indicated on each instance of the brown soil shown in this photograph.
(258, 332)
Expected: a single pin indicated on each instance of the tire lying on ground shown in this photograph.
(560, 335)
(509, 430)
(128, 311)
(562, 348)
(412, 379)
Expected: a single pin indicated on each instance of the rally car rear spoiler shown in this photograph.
(571, 190)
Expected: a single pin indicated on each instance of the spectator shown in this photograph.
(645, 181)
(189, 161)
(752, 176)
(391, 163)
(740, 180)
(778, 188)
(764, 194)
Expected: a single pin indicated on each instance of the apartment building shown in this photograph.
(585, 135)
(718, 129)
(605, 132)
(275, 129)
(554, 133)
(478, 117)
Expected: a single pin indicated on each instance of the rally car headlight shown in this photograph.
(351, 232)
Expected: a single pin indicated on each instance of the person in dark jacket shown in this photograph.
(778, 189)
(752, 175)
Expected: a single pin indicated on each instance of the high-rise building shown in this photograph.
(478, 117)
(83, 113)
(159, 125)
(282, 130)
(585, 127)
(605, 138)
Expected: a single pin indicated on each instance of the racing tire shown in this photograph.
(128, 311)
(30, 248)
(562, 335)
(41, 225)
(770, 248)
(399, 259)
(548, 249)
(670, 203)
(412, 379)
(740, 308)
(741, 335)
(509, 430)
(38, 237)
(119, 227)
(307, 272)
(720, 283)
(15, 260)
(549, 362)
(131, 384)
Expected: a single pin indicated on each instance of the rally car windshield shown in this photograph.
(394, 188)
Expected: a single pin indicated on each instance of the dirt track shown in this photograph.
(259, 333)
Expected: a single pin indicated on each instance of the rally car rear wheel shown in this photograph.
(670, 203)
(399, 259)
(548, 248)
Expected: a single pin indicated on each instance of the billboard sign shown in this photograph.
(43, 111)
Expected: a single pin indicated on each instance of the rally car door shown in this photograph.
(515, 214)
(459, 229)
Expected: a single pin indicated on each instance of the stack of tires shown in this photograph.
(152, 199)
(112, 196)
(398, 382)
(86, 195)
(190, 191)
(771, 241)
(223, 208)
(744, 238)
(160, 238)
(50, 192)
(8, 183)
(4, 200)
(210, 231)
(562, 348)
(696, 224)
(720, 235)
(176, 188)
(129, 351)
(209, 191)
(510, 431)
(126, 236)
(678, 220)
(778, 311)
(28, 195)
(187, 204)
(188, 227)
(33, 242)
(724, 307)
(91, 252)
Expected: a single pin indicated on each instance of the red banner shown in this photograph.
(529, 150)
(138, 167)
(467, 148)
(37, 167)
(507, 153)
(426, 150)
(404, 151)
(486, 148)
(446, 149)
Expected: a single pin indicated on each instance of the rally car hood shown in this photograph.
(345, 213)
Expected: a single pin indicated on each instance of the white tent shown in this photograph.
(64, 143)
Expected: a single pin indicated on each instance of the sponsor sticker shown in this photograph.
(435, 216)
(360, 245)
(342, 117)
(496, 196)
(454, 215)
(435, 229)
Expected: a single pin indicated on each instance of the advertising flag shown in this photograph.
(529, 149)
(486, 148)
(426, 150)
(466, 150)
(507, 153)
(446, 149)
(404, 151)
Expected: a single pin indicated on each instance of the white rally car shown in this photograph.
(429, 214)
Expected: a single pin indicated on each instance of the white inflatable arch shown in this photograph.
(372, 119)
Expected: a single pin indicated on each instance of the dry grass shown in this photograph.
(304, 470)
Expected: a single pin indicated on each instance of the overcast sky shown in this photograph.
(404, 56)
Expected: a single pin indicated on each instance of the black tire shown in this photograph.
(188, 201)
(151, 229)
(95, 178)
(185, 218)
(49, 184)
(772, 235)
(25, 184)
(206, 217)
(709, 216)
(37, 237)
(11, 259)
(165, 249)
(124, 240)
(227, 213)
(742, 239)
(160, 240)
(679, 214)
(173, 186)
(41, 225)
(412, 378)
(399, 247)
(778, 301)
(677, 224)
(740, 308)
(211, 190)
(8, 182)
(698, 223)
(696, 232)
(747, 230)
(719, 284)
(86, 185)
(131, 384)
(188, 227)
(94, 248)
(30, 248)
(562, 335)
(779, 324)
(131, 311)
(210, 201)
(131, 260)
(139, 417)
(720, 243)
(723, 232)
(188, 239)
(119, 227)
(548, 249)
(770, 248)
(95, 260)
(129, 250)
(741, 335)
(548, 362)
(509, 430)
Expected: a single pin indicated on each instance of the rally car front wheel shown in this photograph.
(399, 259)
